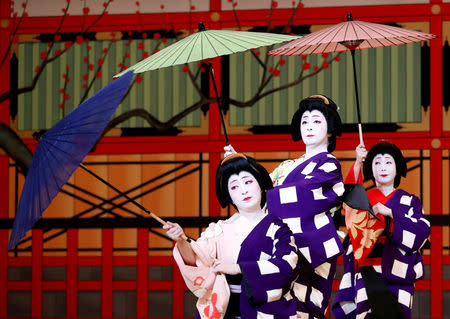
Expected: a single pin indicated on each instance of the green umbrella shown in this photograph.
(207, 44)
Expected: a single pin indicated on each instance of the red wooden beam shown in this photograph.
(142, 274)
(72, 273)
(321, 15)
(107, 273)
(36, 274)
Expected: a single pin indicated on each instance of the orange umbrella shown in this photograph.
(349, 36)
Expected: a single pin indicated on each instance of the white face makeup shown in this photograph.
(313, 127)
(384, 170)
(245, 192)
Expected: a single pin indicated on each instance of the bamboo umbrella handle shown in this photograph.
(360, 134)
(159, 219)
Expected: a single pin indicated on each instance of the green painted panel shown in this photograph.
(388, 82)
(164, 93)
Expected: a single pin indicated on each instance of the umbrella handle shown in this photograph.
(210, 68)
(360, 134)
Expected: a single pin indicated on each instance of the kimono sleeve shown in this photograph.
(317, 188)
(268, 280)
(411, 228)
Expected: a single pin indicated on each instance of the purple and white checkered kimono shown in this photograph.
(401, 264)
(305, 195)
(267, 255)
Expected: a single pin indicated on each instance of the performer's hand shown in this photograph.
(229, 150)
(174, 231)
(379, 208)
(361, 153)
(223, 267)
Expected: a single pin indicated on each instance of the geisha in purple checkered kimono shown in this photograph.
(382, 260)
(305, 196)
(244, 266)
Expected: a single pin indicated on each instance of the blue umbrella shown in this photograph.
(61, 150)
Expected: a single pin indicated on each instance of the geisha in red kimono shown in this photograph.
(244, 266)
(382, 260)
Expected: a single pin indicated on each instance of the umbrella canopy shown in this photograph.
(207, 44)
(60, 152)
(350, 35)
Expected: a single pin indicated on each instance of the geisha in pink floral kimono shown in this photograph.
(382, 260)
(244, 266)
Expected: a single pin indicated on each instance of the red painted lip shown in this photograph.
(310, 135)
(384, 175)
(247, 198)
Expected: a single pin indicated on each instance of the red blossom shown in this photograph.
(68, 44)
(137, 3)
(105, 4)
(156, 51)
(293, 3)
(85, 77)
(79, 39)
(37, 69)
(24, 5)
(316, 68)
(300, 5)
(164, 40)
(270, 69)
(129, 33)
(44, 55)
(64, 75)
(276, 72)
(144, 35)
(85, 59)
(337, 58)
(127, 55)
(288, 29)
(325, 55)
(119, 65)
(100, 62)
(57, 37)
(67, 67)
(234, 4)
(274, 4)
(58, 52)
(192, 7)
(282, 62)
(145, 54)
(156, 36)
(91, 67)
(124, 67)
(257, 53)
(305, 66)
(86, 10)
(66, 97)
(63, 10)
(139, 79)
(89, 48)
(98, 74)
(304, 57)
(141, 45)
(67, 79)
(105, 50)
(61, 91)
(25, 14)
(161, 6)
(61, 106)
(49, 44)
(230, 0)
(325, 65)
(84, 86)
(185, 68)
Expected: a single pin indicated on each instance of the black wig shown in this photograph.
(234, 164)
(386, 148)
(329, 110)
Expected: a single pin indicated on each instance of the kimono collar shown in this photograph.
(254, 217)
